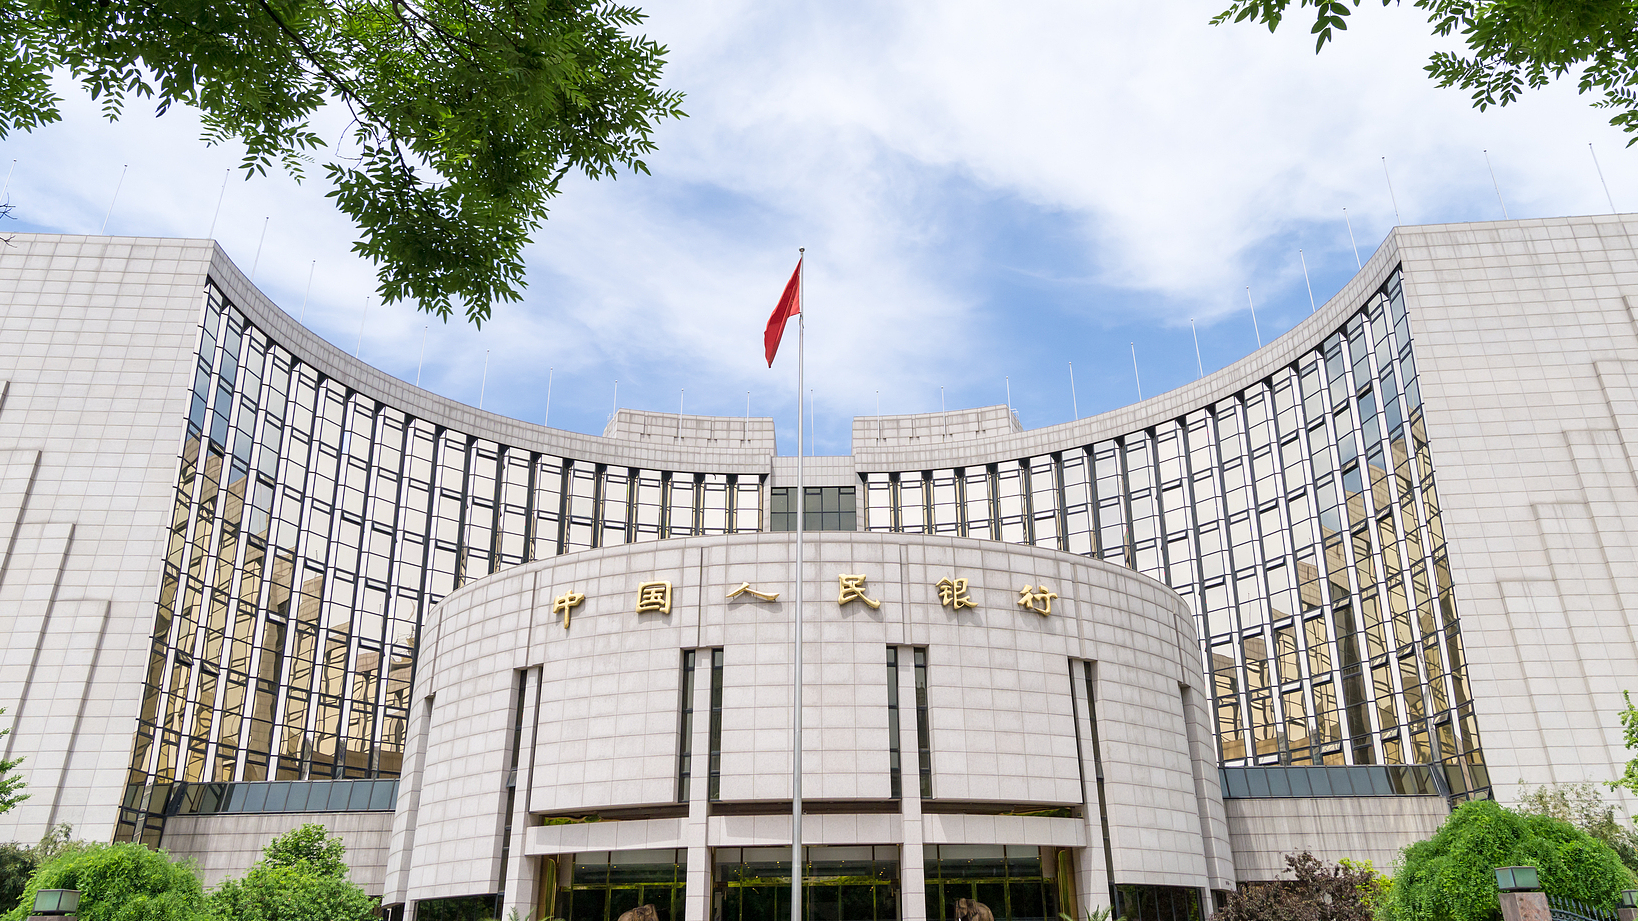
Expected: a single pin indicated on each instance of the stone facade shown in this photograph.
(1010, 728)
(132, 600)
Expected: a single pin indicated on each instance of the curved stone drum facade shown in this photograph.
(1060, 711)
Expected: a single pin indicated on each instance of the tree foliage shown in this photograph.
(1317, 891)
(11, 782)
(1373, 886)
(17, 864)
(119, 882)
(301, 877)
(1451, 876)
(19, 861)
(310, 847)
(1629, 730)
(1581, 805)
(465, 114)
(1511, 45)
(290, 894)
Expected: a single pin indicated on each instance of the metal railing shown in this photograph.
(1566, 909)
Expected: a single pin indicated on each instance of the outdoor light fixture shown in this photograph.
(56, 901)
(1518, 879)
(1629, 898)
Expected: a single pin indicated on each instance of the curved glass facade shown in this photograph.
(312, 527)
(1299, 518)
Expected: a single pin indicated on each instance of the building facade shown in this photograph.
(1379, 566)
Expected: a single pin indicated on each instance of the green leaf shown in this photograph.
(466, 114)
(1513, 44)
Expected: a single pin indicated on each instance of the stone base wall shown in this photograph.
(226, 845)
(1374, 828)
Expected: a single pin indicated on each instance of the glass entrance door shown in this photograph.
(1015, 883)
(838, 884)
(601, 885)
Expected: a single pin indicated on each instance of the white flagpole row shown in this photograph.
(801, 501)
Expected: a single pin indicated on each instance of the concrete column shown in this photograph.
(912, 867)
(400, 859)
(697, 900)
(1525, 906)
(521, 887)
(1091, 870)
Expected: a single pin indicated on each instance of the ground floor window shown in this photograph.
(459, 908)
(602, 885)
(1157, 903)
(838, 884)
(1016, 883)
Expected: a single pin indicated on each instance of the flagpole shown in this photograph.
(801, 503)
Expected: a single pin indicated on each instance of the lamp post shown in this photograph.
(1521, 895)
(1629, 905)
(55, 904)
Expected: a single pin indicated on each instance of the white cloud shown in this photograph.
(1157, 165)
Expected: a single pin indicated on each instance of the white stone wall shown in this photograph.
(1527, 347)
(1374, 828)
(227, 845)
(1002, 721)
(97, 338)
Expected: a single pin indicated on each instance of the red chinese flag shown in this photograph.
(790, 304)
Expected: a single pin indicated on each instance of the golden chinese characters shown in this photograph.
(746, 589)
(654, 597)
(1036, 599)
(952, 593)
(853, 588)
(565, 603)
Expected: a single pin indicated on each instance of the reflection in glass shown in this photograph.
(1274, 503)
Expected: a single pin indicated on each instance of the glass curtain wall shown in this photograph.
(1300, 520)
(312, 527)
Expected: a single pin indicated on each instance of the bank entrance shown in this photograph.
(601, 885)
(838, 884)
(1016, 883)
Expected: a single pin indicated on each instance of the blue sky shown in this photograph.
(987, 194)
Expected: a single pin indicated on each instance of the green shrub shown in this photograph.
(119, 882)
(312, 845)
(19, 861)
(17, 864)
(1583, 806)
(301, 877)
(1451, 876)
(290, 894)
(1318, 891)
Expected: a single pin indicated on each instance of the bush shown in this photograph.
(290, 894)
(19, 861)
(301, 877)
(119, 882)
(17, 864)
(309, 845)
(1451, 876)
(1319, 892)
(1583, 806)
